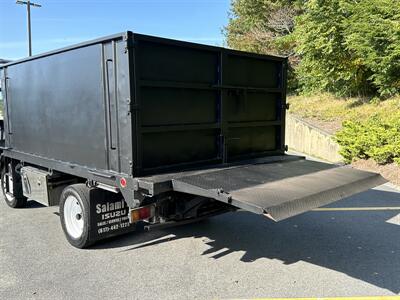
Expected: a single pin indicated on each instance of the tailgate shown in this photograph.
(278, 190)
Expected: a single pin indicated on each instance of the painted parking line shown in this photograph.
(337, 298)
(356, 209)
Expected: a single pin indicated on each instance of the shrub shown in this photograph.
(377, 137)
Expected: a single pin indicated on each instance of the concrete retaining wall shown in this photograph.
(303, 137)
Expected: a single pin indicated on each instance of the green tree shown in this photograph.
(349, 47)
(326, 64)
(373, 36)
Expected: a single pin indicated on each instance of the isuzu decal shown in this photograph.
(109, 215)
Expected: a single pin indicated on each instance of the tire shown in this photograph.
(75, 215)
(11, 188)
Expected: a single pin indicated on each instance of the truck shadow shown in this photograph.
(361, 244)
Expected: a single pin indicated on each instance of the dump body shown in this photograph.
(200, 105)
(134, 104)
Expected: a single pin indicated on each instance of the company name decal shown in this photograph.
(112, 216)
(109, 206)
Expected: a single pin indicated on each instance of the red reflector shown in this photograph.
(122, 182)
(144, 212)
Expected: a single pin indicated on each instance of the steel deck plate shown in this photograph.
(279, 190)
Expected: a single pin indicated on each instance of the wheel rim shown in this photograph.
(7, 183)
(73, 217)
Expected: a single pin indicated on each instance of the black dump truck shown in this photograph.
(133, 129)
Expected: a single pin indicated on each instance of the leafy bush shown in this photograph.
(377, 137)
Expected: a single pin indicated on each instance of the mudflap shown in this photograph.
(108, 215)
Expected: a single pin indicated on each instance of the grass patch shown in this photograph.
(328, 108)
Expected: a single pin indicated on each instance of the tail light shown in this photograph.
(142, 213)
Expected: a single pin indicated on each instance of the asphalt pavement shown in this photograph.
(353, 251)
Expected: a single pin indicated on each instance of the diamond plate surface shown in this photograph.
(281, 190)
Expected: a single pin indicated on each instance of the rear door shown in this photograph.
(202, 105)
(253, 105)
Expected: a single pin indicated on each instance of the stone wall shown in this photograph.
(303, 137)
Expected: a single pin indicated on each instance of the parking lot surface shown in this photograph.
(351, 251)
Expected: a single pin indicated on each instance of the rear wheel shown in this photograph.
(75, 215)
(11, 187)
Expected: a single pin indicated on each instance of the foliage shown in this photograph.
(377, 137)
(349, 47)
(326, 64)
(373, 35)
